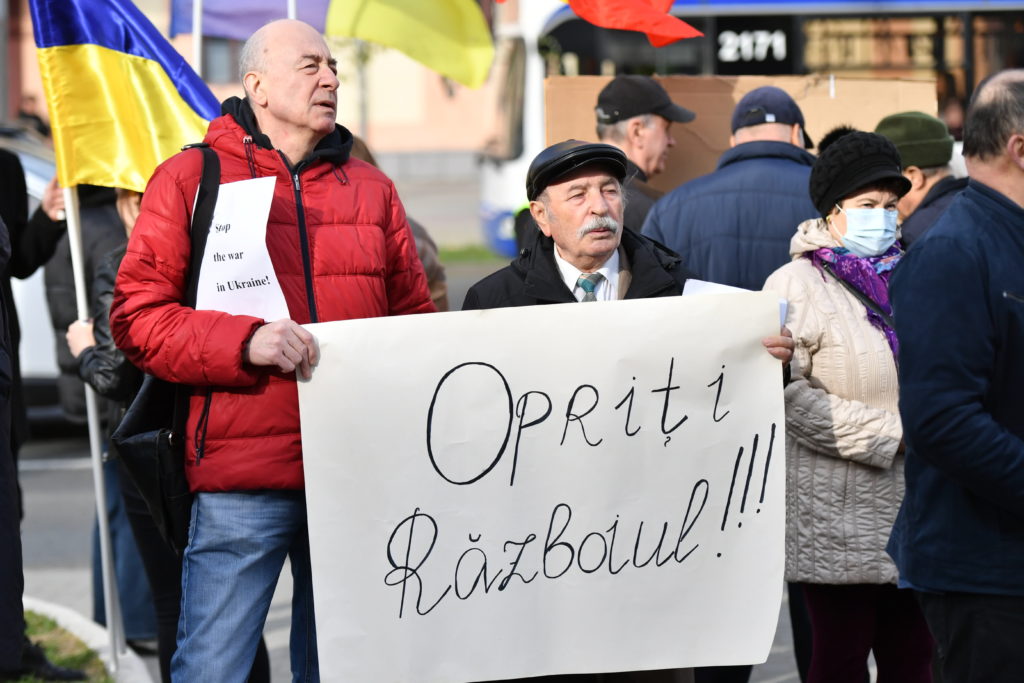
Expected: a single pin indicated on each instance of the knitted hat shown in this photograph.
(854, 161)
(922, 140)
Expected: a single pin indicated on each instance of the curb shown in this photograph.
(131, 668)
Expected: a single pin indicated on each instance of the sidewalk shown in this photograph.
(56, 478)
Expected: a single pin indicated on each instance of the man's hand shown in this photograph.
(53, 200)
(285, 344)
(780, 346)
(80, 337)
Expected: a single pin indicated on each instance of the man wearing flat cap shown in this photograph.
(733, 226)
(576, 199)
(582, 254)
(926, 148)
(635, 114)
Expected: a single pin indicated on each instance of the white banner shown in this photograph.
(552, 489)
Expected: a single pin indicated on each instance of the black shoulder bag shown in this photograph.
(868, 303)
(150, 439)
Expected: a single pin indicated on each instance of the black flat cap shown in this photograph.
(558, 161)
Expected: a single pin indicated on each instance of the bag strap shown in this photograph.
(202, 219)
(199, 230)
(863, 298)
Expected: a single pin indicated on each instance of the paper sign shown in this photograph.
(695, 287)
(544, 490)
(237, 275)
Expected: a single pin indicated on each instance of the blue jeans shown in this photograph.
(236, 550)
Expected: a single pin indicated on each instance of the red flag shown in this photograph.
(647, 16)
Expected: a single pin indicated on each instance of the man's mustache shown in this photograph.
(599, 223)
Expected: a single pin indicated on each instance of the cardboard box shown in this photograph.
(825, 103)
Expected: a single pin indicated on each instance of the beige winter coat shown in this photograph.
(844, 480)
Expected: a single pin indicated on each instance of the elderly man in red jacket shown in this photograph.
(340, 248)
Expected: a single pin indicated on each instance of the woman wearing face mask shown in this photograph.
(844, 445)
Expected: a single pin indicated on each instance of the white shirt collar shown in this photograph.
(606, 290)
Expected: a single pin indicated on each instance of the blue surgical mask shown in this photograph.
(869, 232)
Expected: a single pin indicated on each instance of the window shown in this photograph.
(220, 60)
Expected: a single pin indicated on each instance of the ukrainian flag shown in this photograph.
(121, 99)
(449, 36)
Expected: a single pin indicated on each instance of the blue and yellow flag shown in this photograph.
(449, 36)
(121, 98)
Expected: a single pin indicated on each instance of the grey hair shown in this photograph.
(995, 114)
(616, 132)
(934, 171)
(251, 58)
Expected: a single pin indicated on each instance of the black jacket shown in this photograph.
(12, 624)
(931, 207)
(103, 366)
(31, 243)
(640, 197)
(102, 231)
(533, 278)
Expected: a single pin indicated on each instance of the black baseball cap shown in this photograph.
(627, 96)
(768, 104)
(558, 161)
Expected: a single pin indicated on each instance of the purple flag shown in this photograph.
(239, 19)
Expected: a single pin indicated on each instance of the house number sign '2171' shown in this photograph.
(751, 46)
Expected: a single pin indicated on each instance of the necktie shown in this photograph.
(588, 283)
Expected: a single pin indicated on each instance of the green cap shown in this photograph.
(922, 140)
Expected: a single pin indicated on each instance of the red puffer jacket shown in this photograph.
(341, 249)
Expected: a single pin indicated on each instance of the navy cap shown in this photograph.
(558, 161)
(627, 96)
(768, 104)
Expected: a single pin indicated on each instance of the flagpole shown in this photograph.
(291, 9)
(362, 56)
(197, 37)
(111, 601)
